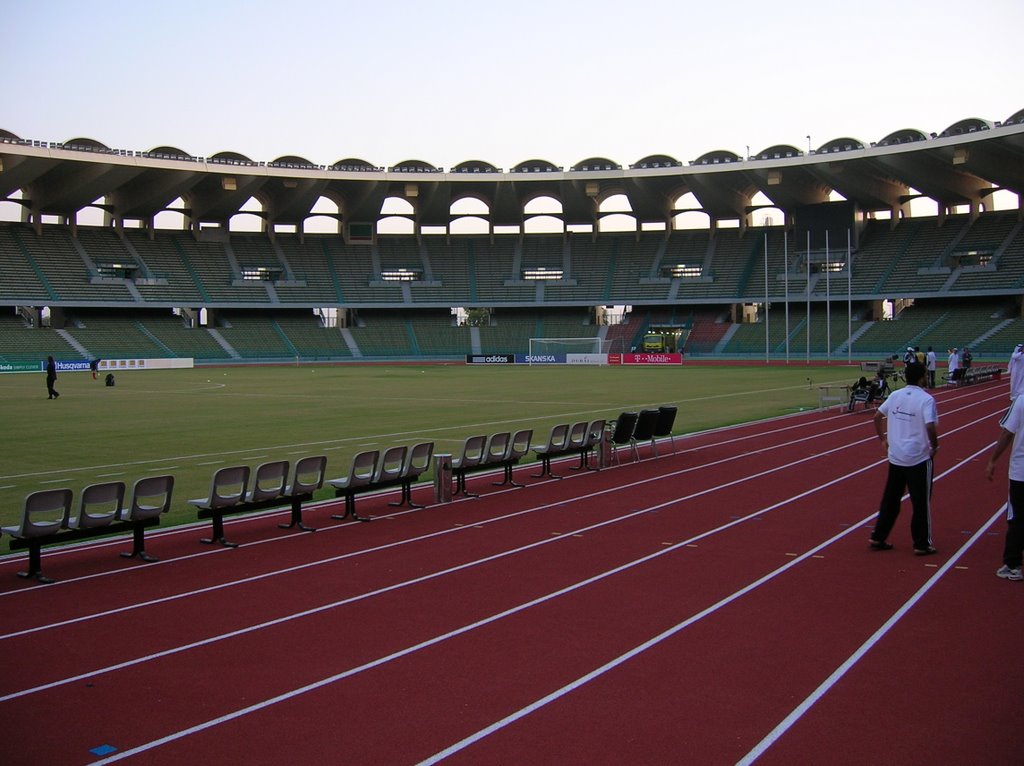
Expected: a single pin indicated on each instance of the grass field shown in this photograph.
(190, 422)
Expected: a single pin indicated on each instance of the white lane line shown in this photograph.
(612, 664)
(787, 723)
(505, 517)
(286, 696)
(434, 575)
(352, 554)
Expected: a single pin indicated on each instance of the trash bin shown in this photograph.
(442, 478)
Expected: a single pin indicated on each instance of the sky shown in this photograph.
(458, 80)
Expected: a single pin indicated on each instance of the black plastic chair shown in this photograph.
(622, 432)
(666, 419)
(644, 431)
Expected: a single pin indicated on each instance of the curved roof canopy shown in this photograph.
(962, 165)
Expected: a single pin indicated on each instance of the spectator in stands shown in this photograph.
(1013, 548)
(930, 366)
(953, 367)
(51, 377)
(907, 424)
(1016, 370)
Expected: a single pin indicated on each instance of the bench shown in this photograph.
(965, 376)
(372, 471)
(501, 450)
(981, 373)
(230, 494)
(565, 440)
(46, 518)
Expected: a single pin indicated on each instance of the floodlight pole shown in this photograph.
(849, 301)
(785, 278)
(807, 290)
(766, 356)
(828, 304)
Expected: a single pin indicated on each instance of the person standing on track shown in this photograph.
(952, 371)
(930, 366)
(907, 424)
(1013, 550)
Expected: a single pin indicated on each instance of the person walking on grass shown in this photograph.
(51, 378)
(1010, 428)
(907, 424)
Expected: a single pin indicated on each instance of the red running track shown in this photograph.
(717, 604)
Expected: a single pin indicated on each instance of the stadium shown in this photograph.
(701, 594)
(797, 252)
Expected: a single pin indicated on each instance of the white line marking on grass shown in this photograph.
(787, 723)
(612, 664)
(108, 475)
(341, 443)
(287, 696)
(55, 481)
(211, 462)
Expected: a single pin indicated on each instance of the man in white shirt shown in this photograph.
(1013, 549)
(907, 424)
(930, 365)
(951, 371)
(1016, 370)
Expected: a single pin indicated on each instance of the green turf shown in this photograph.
(190, 422)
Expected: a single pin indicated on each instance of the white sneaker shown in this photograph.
(1009, 574)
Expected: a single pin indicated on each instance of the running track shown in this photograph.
(718, 604)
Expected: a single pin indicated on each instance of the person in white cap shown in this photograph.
(952, 371)
(909, 357)
(1016, 370)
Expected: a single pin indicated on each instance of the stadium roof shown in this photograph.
(962, 165)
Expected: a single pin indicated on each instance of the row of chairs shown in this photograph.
(580, 438)
(230, 492)
(375, 469)
(501, 450)
(46, 517)
(645, 425)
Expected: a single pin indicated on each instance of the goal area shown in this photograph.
(561, 346)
